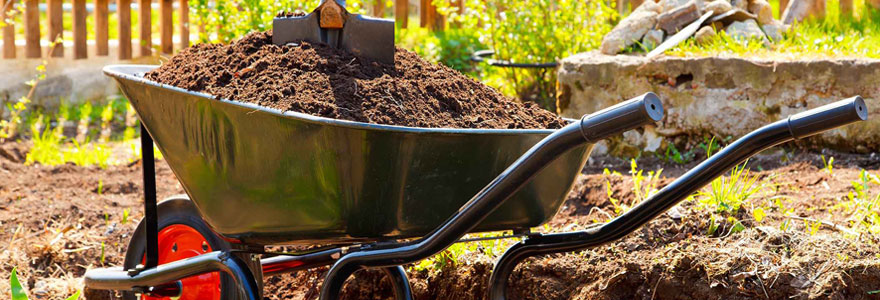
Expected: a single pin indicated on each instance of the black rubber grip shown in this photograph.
(827, 117)
(632, 113)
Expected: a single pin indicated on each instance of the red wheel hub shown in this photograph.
(180, 241)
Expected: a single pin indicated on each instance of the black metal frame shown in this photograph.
(390, 256)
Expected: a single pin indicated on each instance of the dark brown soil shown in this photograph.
(53, 221)
(320, 80)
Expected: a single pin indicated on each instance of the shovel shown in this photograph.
(331, 24)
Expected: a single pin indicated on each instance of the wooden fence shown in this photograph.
(428, 17)
(54, 11)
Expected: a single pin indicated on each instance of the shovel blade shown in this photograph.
(369, 37)
(366, 37)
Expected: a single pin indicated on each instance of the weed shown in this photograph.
(758, 214)
(125, 213)
(828, 164)
(100, 187)
(106, 117)
(448, 258)
(863, 209)
(727, 194)
(673, 155)
(18, 292)
(643, 186)
(46, 147)
(82, 128)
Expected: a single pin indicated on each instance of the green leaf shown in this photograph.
(17, 291)
(75, 296)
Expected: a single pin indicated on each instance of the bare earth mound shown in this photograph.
(323, 81)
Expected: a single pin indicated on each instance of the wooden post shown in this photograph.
(80, 47)
(55, 24)
(123, 12)
(146, 39)
(846, 9)
(32, 29)
(166, 26)
(819, 9)
(184, 23)
(429, 16)
(783, 5)
(401, 12)
(423, 12)
(102, 28)
(378, 8)
(8, 32)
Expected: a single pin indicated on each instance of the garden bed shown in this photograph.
(59, 221)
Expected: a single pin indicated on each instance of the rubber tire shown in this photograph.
(177, 210)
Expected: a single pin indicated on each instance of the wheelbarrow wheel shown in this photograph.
(182, 234)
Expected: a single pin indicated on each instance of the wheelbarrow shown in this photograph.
(377, 196)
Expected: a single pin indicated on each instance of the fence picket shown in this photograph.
(184, 23)
(846, 8)
(378, 8)
(102, 29)
(32, 29)
(8, 31)
(79, 29)
(146, 34)
(166, 26)
(55, 25)
(401, 12)
(123, 12)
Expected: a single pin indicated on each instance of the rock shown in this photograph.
(719, 6)
(630, 30)
(763, 10)
(774, 30)
(798, 10)
(704, 35)
(674, 20)
(652, 39)
(747, 29)
(649, 6)
(669, 5)
(741, 4)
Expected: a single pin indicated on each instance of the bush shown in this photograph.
(532, 31)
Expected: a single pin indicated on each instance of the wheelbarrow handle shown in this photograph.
(797, 126)
(826, 117)
(632, 113)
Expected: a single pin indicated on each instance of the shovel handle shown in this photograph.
(827, 117)
(642, 110)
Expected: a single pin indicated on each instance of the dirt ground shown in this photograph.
(57, 222)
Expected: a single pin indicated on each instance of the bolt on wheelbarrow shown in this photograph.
(380, 196)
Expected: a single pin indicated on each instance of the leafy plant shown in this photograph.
(863, 209)
(643, 186)
(532, 31)
(18, 292)
(46, 147)
(106, 117)
(82, 128)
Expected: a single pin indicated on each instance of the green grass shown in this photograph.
(831, 37)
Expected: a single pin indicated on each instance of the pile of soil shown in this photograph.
(320, 80)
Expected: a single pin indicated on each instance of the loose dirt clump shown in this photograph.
(316, 79)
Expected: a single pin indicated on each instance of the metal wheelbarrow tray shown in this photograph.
(263, 176)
